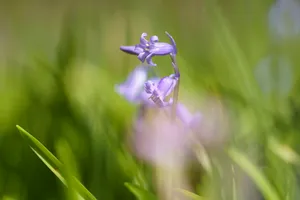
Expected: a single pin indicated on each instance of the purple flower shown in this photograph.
(284, 20)
(132, 88)
(161, 90)
(164, 144)
(160, 141)
(157, 137)
(145, 50)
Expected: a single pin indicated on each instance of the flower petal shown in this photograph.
(142, 56)
(133, 86)
(161, 48)
(143, 39)
(149, 60)
(166, 85)
(134, 50)
(154, 39)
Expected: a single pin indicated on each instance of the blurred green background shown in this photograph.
(60, 60)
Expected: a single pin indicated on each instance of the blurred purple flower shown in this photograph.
(190, 120)
(133, 86)
(165, 145)
(161, 141)
(284, 18)
(145, 50)
(171, 146)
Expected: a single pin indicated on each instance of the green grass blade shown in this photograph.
(189, 194)
(65, 154)
(53, 163)
(43, 153)
(284, 152)
(258, 178)
(140, 193)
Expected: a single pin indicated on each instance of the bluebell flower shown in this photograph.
(161, 90)
(145, 50)
(133, 88)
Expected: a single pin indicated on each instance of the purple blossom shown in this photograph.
(134, 91)
(165, 132)
(161, 90)
(145, 50)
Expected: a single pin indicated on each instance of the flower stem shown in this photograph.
(176, 90)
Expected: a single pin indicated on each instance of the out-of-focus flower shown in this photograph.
(161, 90)
(132, 88)
(284, 18)
(170, 145)
(157, 136)
(160, 141)
(165, 144)
(145, 50)
(190, 120)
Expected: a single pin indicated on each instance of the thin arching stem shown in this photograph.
(176, 90)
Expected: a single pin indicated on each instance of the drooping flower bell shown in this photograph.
(161, 90)
(145, 50)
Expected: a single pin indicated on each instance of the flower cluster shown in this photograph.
(154, 91)
(165, 131)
